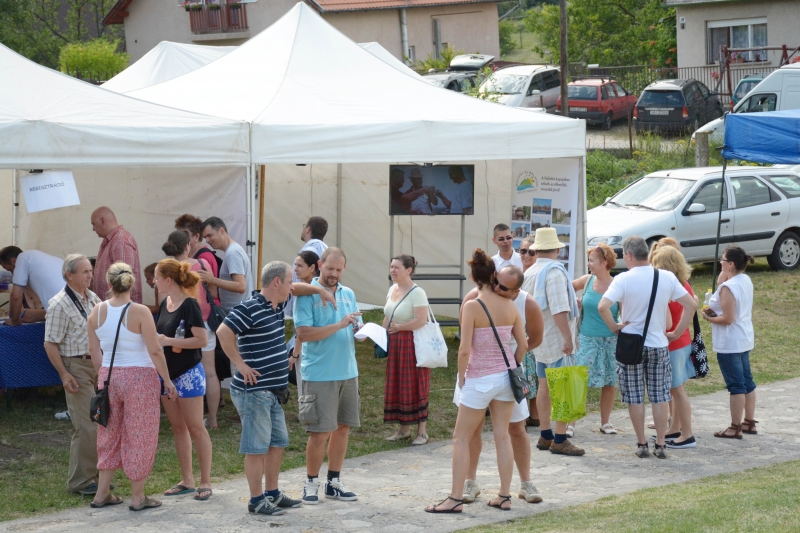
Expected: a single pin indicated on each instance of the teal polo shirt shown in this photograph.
(332, 358)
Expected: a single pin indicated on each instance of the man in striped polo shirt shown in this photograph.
(260, 383)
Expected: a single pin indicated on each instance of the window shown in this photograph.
(749, 191)
(789, 185)
(412, 54)
(708, 195)
(693, 95)
(703, 89)
(759, 103)
(620, 91)
(661, 98)
(536, 84)
(551, 79)
(744, 33)
(604, 92)
(581, 92)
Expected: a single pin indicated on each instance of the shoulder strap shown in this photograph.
(696, 324)
(116, 338)
(496, 336)
(652, 302)
(74, 299)
(398, 304)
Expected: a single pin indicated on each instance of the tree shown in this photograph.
(507, 29)
(95, 60)
(620, 32)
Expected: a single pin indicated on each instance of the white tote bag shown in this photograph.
(429, 346)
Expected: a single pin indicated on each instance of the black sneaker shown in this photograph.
(642, 450)
(335, 489)
(265, 507)
(283, 501)
(660, 451)
(688, 443)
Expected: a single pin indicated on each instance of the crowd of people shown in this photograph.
(525, 311)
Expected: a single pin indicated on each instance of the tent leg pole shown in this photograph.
(339, 205)
(719, 228)
(15, 214)
(249, 221)
(260, 246)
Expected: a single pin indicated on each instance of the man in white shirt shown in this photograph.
(633, 289)
(313, 232)
(459, 201)
(37, 270)
(505, 248)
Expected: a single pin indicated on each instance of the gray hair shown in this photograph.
(71, 264)
(636, 246)
(272, 270)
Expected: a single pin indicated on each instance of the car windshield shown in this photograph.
(664, 98)
(653, 194)
(505, 83)
(789, 185)
(582, 92)
(744, 87)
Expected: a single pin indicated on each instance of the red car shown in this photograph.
(598, 101)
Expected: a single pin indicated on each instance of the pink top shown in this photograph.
(205, 308)
(486, 358)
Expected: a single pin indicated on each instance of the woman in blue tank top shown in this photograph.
(597, 344)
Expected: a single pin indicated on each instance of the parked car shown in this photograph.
(525, 86)
(675, 106)
(598, 101)
(760, 213)
(745, 85)
(462, 73)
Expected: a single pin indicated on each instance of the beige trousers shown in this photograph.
(83, 447)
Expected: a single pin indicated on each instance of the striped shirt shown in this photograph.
(261, 342)
(119, 245)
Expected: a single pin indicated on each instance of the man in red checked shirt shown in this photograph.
(118, 245)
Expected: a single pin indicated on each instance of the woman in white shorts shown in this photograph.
(483, 380)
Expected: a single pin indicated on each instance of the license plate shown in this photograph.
(659, 112)
(577, 109)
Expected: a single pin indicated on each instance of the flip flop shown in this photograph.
(147, 503)
(503, 499)
(203, 493)
(452, 510)
(178, 490)
(110, 500)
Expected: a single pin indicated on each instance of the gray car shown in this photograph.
(675, 106)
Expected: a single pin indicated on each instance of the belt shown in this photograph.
(85, 357)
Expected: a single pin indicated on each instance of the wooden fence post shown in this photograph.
(701, 148)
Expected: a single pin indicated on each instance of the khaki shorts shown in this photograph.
(324, 405)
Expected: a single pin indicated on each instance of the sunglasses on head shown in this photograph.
(501, 287)
(502, 239)
(531, 252)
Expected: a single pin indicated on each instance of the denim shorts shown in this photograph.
(682, 366)
(541, 368)
(735, 368)
(263, 421)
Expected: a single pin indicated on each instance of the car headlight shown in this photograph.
(611, 241)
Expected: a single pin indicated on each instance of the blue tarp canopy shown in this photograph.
(770, 137)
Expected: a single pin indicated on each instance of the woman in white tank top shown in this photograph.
(130, 439)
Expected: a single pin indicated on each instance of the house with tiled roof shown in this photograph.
(410, 29)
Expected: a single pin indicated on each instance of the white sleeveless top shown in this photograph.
(739, 336)
(131, 350)
(519, 303)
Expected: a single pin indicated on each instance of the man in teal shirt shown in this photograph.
(329, 397)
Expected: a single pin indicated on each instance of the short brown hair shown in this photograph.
(318, 227)
(607, 252)
(190, 223)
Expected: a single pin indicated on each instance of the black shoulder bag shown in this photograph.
(380, 353)
(630, 346)
(520, 385)
(217, 314)
(100, 407)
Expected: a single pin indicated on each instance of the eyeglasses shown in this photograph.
(529, 251)
(501, 287)
(502, 239)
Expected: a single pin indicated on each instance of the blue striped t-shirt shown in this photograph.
(261, 342)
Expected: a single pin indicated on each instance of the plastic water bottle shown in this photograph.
(180, 333)
(707, 299)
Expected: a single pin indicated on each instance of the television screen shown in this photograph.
(438, 190)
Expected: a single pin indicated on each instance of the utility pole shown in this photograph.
(564, 64)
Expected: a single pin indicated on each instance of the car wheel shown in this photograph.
(786, 253)
(718, 111)
(607, 123)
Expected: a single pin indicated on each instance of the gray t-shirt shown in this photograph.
(236, 262)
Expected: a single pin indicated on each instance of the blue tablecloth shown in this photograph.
(23, 361)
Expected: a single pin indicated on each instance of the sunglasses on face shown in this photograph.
(523, 251)
(501, 287)
(502, 239)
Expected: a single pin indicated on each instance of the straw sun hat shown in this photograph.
(547, 239)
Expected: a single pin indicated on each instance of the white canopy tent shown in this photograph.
(328, 118)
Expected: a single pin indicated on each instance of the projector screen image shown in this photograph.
(438, 190)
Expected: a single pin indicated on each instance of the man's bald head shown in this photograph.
(103, 221)
(512, 276)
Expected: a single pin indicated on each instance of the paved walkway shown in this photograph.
(395, 486)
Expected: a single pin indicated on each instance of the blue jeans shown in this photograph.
(735, 368)
(263, 421)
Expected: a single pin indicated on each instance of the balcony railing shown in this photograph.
(228, 18)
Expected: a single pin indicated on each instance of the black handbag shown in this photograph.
(217, 314)
(520, 385)
(379, 352)
(699, 354)
(99, 406)
(630, 346)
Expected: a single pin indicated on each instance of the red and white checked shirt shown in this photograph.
(119, 245)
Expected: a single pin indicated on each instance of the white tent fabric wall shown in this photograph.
(145, 201)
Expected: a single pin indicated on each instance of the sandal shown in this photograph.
(608, 429)
(202, 494)
(749, 427)
(399, 436)
(459, 503)
(503, 499)
(178, 490)
(570, 431)
(420, 440)
(737, 432)
(110, 500)
(147, 503)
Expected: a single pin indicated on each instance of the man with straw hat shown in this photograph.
(547, 280)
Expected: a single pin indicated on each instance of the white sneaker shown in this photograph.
(529, 493)
(310, 490)
(471, 491)
(608, 429)
(63, 416)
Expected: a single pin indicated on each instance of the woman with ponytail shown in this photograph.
(182, 333)
(178, 246)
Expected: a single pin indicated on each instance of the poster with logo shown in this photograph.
(545, 195)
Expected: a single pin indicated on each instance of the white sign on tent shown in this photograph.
(49, 190)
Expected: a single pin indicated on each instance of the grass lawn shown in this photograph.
(34, 446)
(524, 53)
(763, 499)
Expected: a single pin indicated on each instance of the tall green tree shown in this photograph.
(611, 33)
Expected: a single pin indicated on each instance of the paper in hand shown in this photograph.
(374, 332)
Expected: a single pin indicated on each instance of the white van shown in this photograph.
(780, 91)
